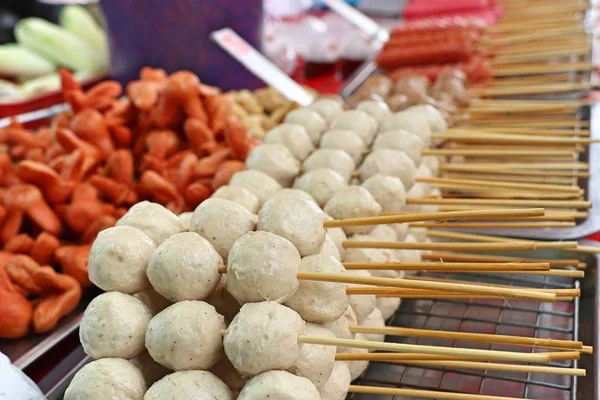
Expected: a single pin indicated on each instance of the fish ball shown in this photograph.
(330, 248)
(362, 304)
(263, 337)
(279, 385)
(371, 256)
(108, 378)
(189, 385)
(336, 387)
(435, 119)
(185, 267)
(389, 162)
(118, 259)
(222, 222)
(359, 122)
(262, 266)
(321, 184)
(292, 136)
(374, 320)
(402, 140)
(318, 301)
(433, 163)
(293, 194)
(335, 159)
(402, 120)
(379, 110)
(329, 109)
(388, 305)
(388, 190)
(114, 325)
(353, 202)
(299, 221)
(341, 326)
(239, 195)
(257, 182)
(154, 220)
(346, 140)
(276, 161)
(316, 360)
(186, 336)
(314, 124)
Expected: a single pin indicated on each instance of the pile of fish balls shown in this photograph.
(209, 303)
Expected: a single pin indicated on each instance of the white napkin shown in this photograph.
(15, 385)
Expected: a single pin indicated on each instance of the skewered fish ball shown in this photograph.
(433, 163)
(389, 162)
(346, 140)
(151, 370)
(154, 220)
(330, 248)
(114, 325)
(263, 337)
(189, 385)
(338, 236)
(341, 326)
(293, 137)
(388, 306)
(435, 119)
(402, 140)
(401, 231)
(418, 191)
(371, 255)
(185, 267)
(388, 190)
(318, 301)
(279, 385)
(262, 266)
(321, 184)
(362, 304)
(357, 367)
(153, 300)
(299, 221)
(359, 122)
(276, 161)
(288, 193)
(108, 378)
(353, 202)
(239, 195)
(311, 120)
(222, 222)
(316, 360)
(376, 109)
(374, 320)
(335, 159)
(404, 121)
(329, 109)
(409, 255)
(118, 259)
(385, 233)
(223, 301)
(257, 182)
(185, 219)
(186, 336)
(336, 387)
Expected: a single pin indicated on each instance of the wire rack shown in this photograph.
(496, 316)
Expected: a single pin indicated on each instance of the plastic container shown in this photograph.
(175, 35)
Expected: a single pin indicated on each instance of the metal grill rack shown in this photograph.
(559, 320)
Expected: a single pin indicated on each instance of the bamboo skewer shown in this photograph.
(494, 355)
(379, 356)
(545, 166)
(503, 203)
(549, 212)
(533, 153)
(517, 178)
(429, 394)
(542, 55)
(474, 337)
(503, 185)
(497, 246)
(400, 292)
(427, 285)
(416, 217)
(465, 257)
(507, 171)
(564, 245)
(496, 225)
(458, 135)
(425, 266)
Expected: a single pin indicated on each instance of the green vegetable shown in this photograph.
(47, 83)
(77, 20)
(59, 45)
(23, 63)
